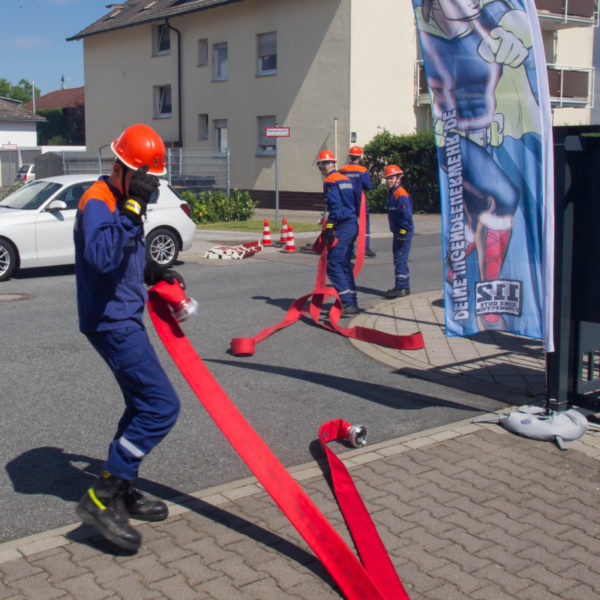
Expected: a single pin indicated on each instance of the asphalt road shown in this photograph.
(61, 404)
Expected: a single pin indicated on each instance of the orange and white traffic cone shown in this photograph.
(290, 245)
(266, 239)
(284, 232)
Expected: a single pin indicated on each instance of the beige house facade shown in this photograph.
(211, 75)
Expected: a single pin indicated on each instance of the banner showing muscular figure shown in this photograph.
(487, 78)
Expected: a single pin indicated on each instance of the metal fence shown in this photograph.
(198, 170)
(187, 168)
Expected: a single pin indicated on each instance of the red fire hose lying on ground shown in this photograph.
(377, 579)
(245, 346)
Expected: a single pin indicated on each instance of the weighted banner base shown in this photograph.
(536, 423)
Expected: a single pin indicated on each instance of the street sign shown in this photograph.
(277, 132)
(9, 146)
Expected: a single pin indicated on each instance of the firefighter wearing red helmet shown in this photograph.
(361, 180)
(111, 269)
(342, 225)
(400, 210)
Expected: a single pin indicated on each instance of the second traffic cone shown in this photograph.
(290, 245)
(284, 232)
(266, 239)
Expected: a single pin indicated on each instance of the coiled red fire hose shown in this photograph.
(357, 582)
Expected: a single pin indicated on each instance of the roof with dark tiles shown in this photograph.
(12, 111)
(137, 12)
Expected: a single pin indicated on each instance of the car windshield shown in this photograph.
(32, 196)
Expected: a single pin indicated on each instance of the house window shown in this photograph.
(202, 52)
(267, 53)
(162, 101)
(162, 40)
(220, 62)
(203, 127)
(221, 142)
(266, 145)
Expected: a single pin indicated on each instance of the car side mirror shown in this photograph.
(56, 205)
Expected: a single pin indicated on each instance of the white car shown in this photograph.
(26, 173)
(36, 224)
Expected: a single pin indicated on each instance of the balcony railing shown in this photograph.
(569, 86)
(567, 12)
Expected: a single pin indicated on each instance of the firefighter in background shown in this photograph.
(491, 39)
(361, 180)
(110, 269)
(341, 225)
(400, 218)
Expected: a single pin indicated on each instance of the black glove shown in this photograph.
(328, 234)
(153, 273)
(141, 186)
(401, 238)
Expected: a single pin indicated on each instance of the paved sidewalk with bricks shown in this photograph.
(466, 511)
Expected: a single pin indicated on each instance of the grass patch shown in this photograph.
(256, 226)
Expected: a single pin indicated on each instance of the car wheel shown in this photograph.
(8, 260)
(162, 246)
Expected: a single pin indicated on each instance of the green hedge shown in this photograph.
(417, 156)
(210, 207)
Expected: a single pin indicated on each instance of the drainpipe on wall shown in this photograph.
(179, 86)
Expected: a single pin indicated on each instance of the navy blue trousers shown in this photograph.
(151, 403)
(401, 262)
(339, 265)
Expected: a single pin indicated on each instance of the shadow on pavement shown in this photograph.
(51, 471)
(372, 392)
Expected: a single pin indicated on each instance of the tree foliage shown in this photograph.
(63, 126)
(417, 156)
(21, 91)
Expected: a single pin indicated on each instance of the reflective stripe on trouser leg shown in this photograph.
(152, 406)
(339, 265)
(401, 271)
(348, 297)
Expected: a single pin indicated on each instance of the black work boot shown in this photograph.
(397, 293)
(143, 508)
(350, 310)
(103, 507)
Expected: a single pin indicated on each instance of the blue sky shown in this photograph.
(33, 44)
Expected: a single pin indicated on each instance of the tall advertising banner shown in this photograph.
(487, 79)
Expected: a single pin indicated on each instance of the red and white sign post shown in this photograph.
(277, 132)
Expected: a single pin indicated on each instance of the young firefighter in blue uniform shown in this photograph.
(110, 268)
(361, 180)
(342, 224)
(400, 217)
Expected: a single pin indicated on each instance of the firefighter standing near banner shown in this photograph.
(361, 180)
(400, 217)
(341, 225)
(110, 268)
